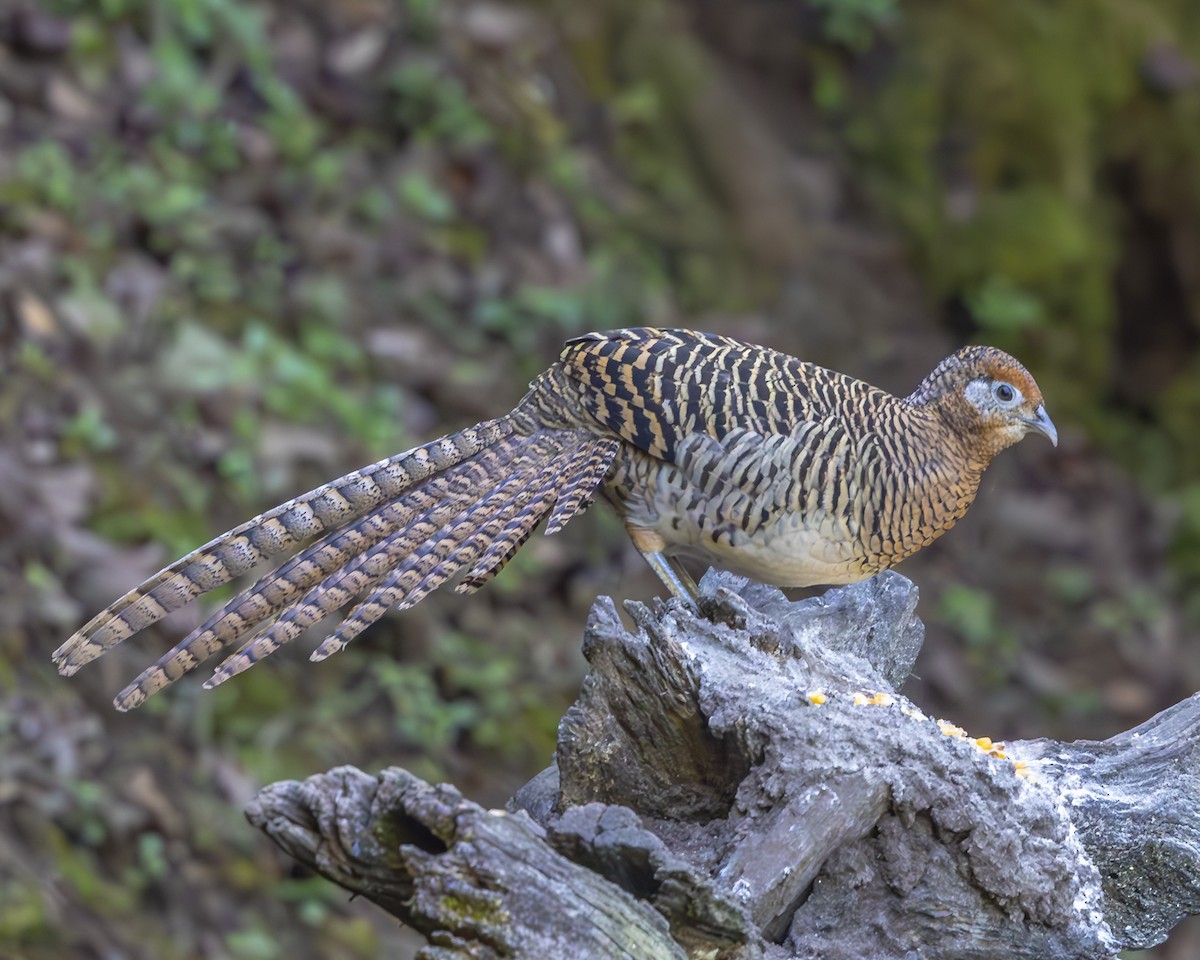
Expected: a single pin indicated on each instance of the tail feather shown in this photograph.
(581, 484)
(337, 591)
(385, 536)
(281, 589)
(331, 577)
(457, 545)
(580, 476)
(468, 488)
(195, 649)
(499, 552)
(261, 603)
(343, 587)
(270, 534)
(399, 585)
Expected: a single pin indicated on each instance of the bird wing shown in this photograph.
(816, 471)
(656, 388)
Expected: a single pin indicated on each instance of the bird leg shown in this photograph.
(676, 579)
(669, 570)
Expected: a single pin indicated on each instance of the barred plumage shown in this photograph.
(751, 459)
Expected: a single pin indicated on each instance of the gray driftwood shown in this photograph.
(703, 805)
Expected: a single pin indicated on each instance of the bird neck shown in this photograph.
(945, 475)
(954, 429)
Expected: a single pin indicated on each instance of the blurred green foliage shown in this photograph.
(855, 23)
(239, 224)
(991, 646)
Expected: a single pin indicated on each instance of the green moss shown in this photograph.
(477, 912)
(23, 915)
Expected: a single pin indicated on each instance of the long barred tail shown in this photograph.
(383, 536)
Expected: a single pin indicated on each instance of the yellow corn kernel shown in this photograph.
(817, 697)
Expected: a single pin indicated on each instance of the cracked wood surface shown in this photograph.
(747, 783)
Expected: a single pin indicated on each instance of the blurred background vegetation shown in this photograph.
(247, 246)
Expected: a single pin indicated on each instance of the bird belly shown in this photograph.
(790, 553)
(786, 549)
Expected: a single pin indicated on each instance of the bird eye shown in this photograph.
(1005, 392)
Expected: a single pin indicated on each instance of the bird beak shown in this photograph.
(1042, 423)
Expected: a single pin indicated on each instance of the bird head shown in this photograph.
(988, 398)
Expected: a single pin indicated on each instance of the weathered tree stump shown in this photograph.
(747, 783)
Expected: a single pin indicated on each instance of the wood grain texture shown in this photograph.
(753, 775)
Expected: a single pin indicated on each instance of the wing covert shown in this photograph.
(655, 388)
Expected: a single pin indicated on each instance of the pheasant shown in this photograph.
(750, 459)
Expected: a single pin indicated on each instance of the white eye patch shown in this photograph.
(979, 395)
(983, 395)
